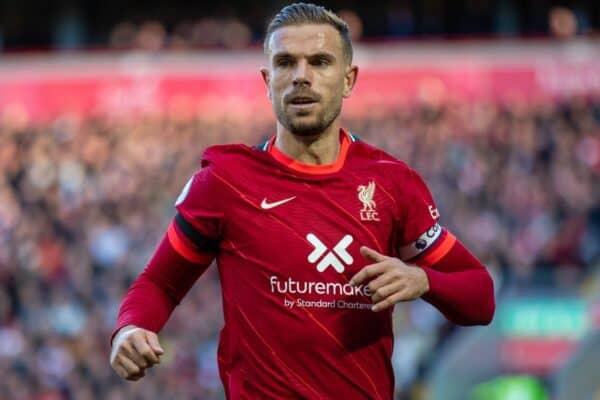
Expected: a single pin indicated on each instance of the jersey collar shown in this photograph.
(345, 140)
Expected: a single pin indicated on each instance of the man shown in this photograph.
(316, 236)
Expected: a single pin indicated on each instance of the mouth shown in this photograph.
(302, 102)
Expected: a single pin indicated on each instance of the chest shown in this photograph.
(314, 226)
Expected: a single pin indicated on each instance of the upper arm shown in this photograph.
(420, 234)
(197, 228)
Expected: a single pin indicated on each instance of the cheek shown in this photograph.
(335, 89)
(277, 86)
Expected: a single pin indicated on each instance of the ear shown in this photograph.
(266, 78)
(350, 80)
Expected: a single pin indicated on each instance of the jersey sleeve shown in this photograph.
(459, 284)
(421, 235)
(188, 248)
(197, 228)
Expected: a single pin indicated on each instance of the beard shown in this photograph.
(309, 123)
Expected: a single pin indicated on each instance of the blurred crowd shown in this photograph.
(203, 33)
(242, 31)
(69, 24)
(84, 202)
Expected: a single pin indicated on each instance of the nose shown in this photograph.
(302, 73)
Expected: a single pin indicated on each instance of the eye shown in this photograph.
(283, 62)
(321, 62)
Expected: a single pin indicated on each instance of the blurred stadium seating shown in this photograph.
(94, 148)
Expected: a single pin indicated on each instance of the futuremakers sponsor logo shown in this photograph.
(292, 286)
(330, 259)
(338, 258)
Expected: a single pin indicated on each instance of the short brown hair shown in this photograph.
(306, 13)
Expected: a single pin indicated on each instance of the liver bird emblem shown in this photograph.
(365, 195)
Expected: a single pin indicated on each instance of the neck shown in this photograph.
(318, 149)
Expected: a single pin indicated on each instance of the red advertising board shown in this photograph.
(45, 86)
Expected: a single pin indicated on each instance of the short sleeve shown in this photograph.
(200, 205)
(419, 229)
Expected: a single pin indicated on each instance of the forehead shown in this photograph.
(305, 39)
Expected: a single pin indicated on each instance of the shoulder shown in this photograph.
(231, 158)
(215, 161)
(232, 164)
(395, 175)
(225, 154)
(385, 163)
(211, 182)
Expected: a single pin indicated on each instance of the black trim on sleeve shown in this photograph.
(201, 241)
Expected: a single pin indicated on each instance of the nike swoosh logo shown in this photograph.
(266, 205)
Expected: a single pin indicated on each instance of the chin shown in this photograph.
(306, 130)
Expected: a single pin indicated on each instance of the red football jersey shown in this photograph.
(288, 237)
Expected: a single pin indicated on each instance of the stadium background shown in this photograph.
(105, 108)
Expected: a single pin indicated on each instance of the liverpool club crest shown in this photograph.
(365, 195)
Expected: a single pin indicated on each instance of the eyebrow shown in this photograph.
(286, 54)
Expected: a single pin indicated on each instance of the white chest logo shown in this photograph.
(266, 205)
(335, 258)
(365, 195)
